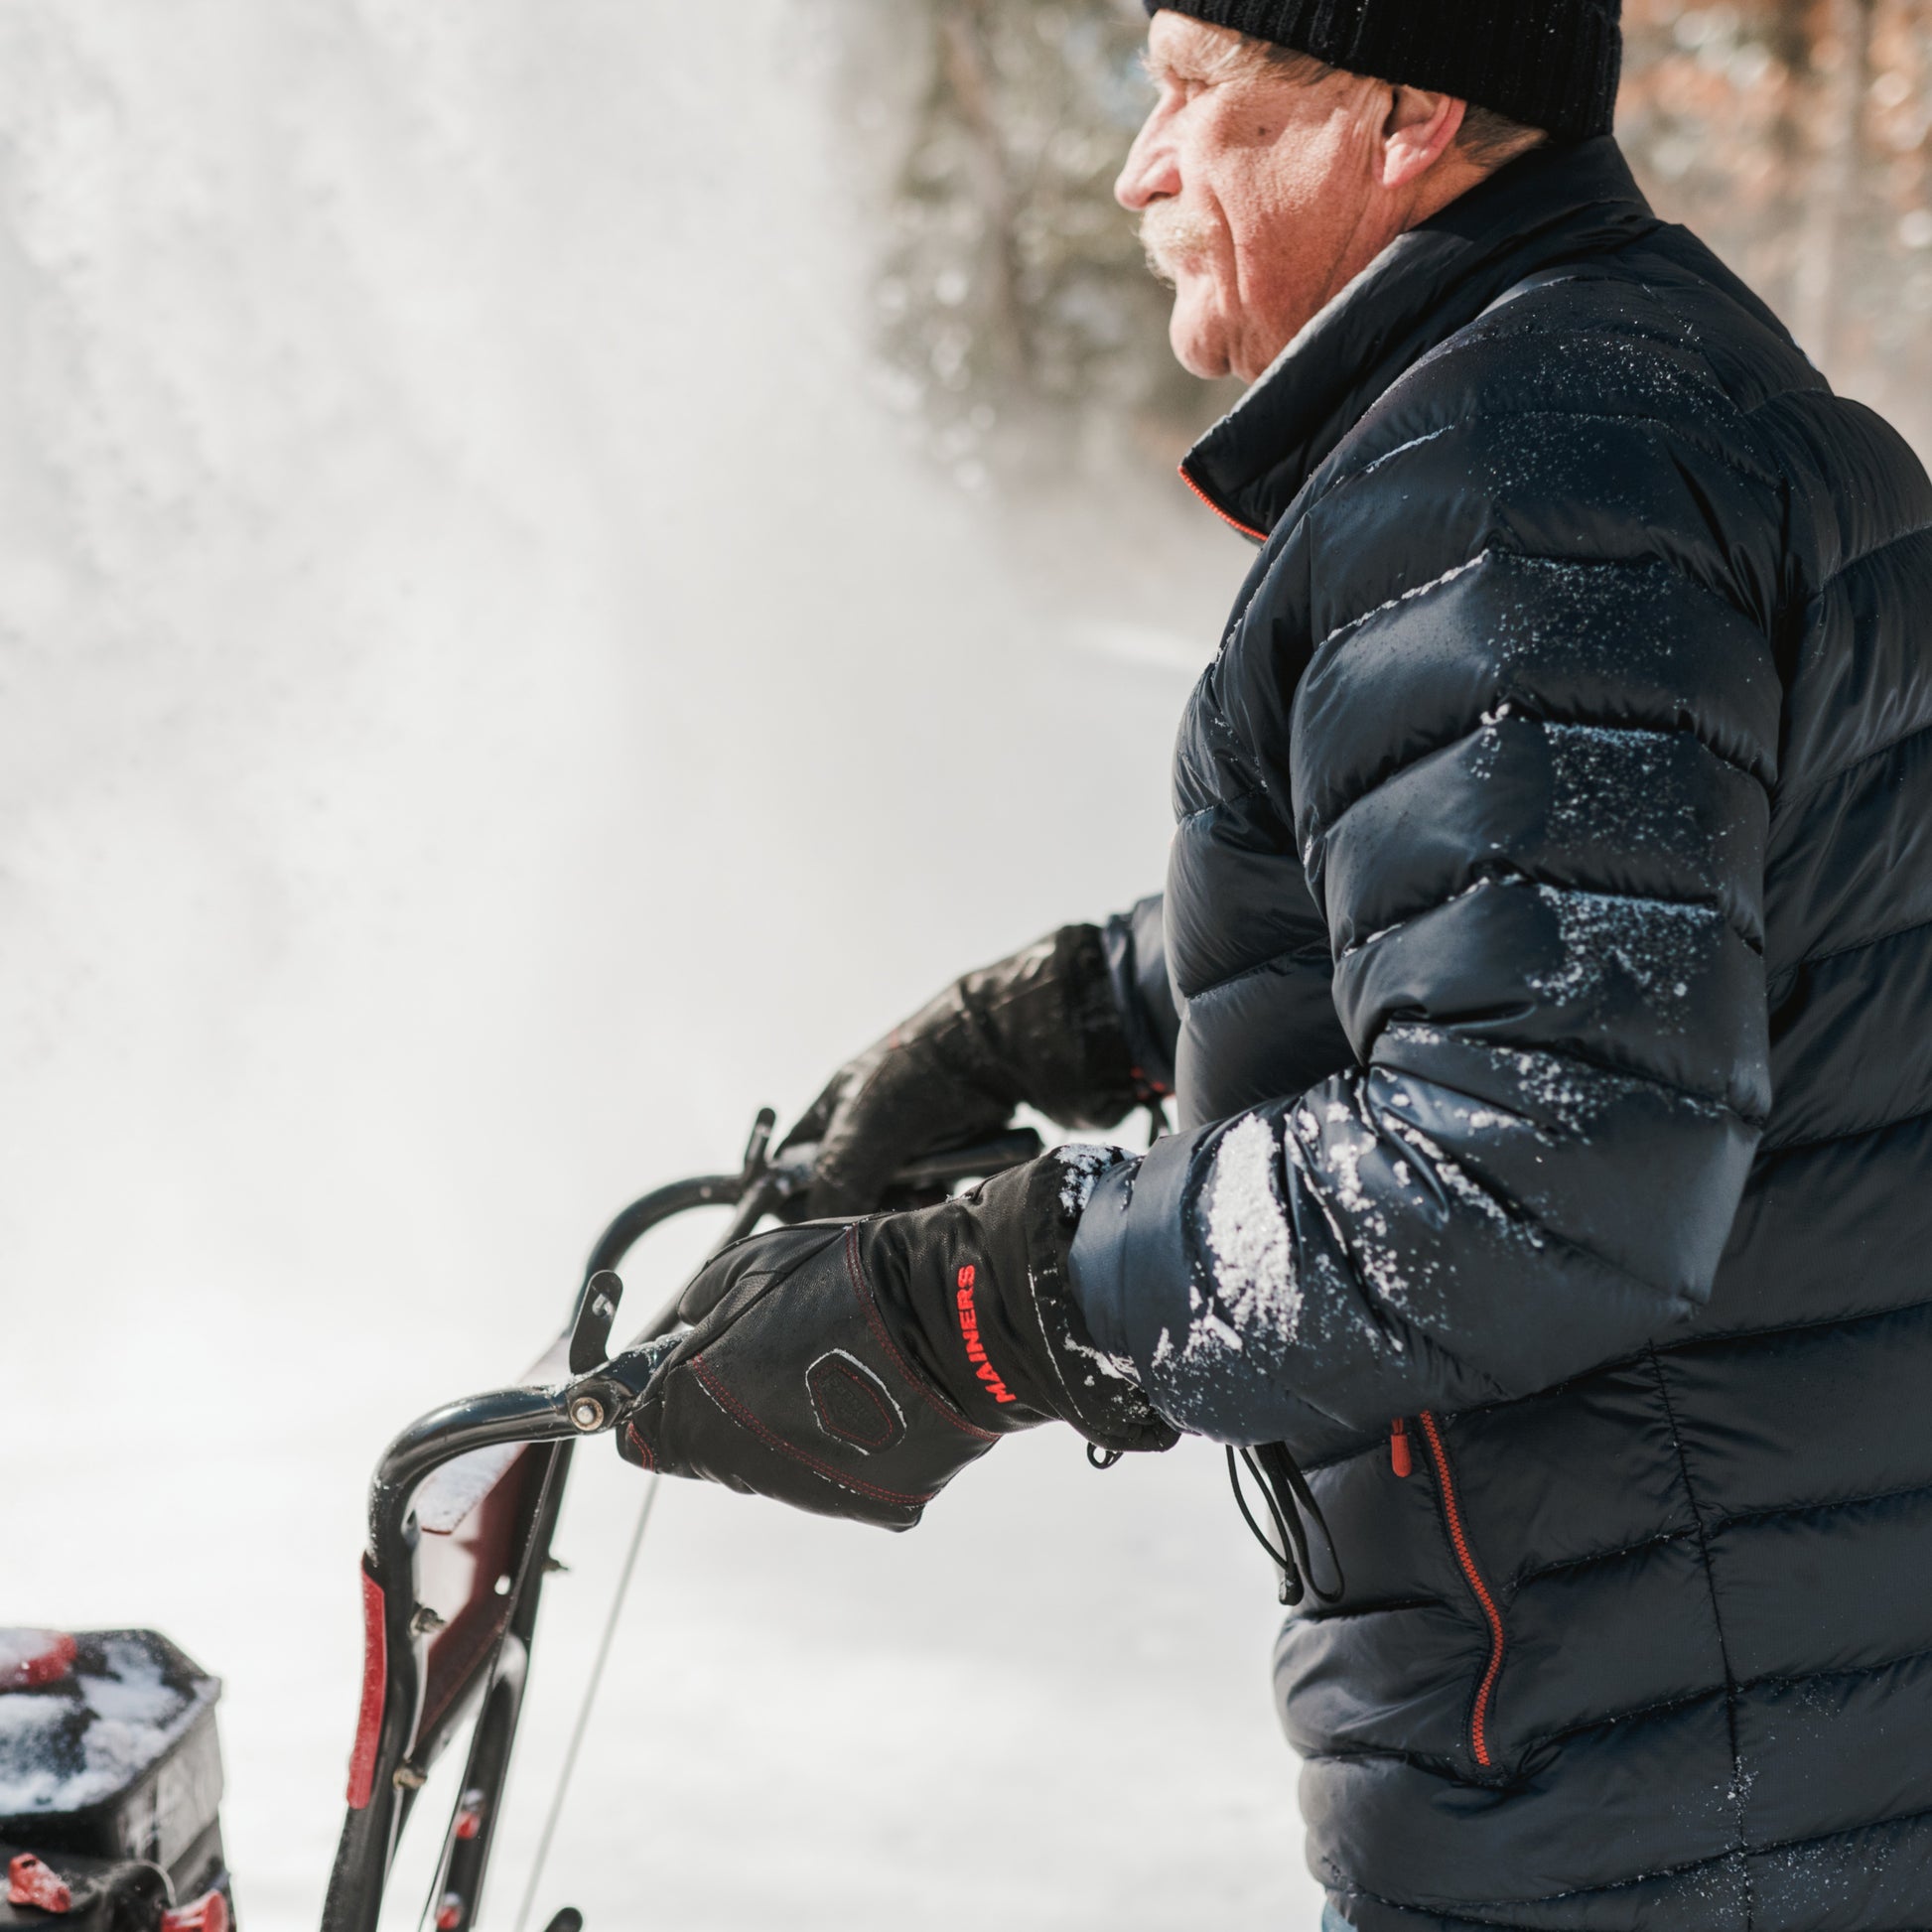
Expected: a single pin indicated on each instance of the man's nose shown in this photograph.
(1150, 173)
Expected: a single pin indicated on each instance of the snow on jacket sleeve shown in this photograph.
(1529, 767)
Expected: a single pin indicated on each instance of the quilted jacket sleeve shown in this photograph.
(1529, 774)
(1135, 946)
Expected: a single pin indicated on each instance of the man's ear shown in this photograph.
(1417, 133)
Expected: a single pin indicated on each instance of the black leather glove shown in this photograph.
(855, 1368)
(1040, 1029)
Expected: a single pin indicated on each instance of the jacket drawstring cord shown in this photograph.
(1293, 1508)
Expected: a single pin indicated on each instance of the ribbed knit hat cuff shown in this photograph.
(1548, 63)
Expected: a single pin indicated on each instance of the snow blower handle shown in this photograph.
(767, 1186)
(946, 1169)
(451, 1634)
(764, 1187)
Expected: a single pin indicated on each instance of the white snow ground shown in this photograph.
(486, 704)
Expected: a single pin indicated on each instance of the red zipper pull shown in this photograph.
(1400, 1459)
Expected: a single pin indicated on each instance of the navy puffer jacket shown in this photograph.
(1549, 921)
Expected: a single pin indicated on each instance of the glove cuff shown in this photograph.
(1098, 1393)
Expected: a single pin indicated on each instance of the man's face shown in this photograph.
(1258, 189)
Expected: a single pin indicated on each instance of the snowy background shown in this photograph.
(492, 698)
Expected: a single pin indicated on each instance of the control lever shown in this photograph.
(590, 1339)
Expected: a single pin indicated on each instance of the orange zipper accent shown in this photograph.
(1452, 1514)
(1400, 1459)
(1233, 522)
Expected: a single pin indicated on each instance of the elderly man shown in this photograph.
(1545, 978)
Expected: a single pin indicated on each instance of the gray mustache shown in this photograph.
(1171, 239)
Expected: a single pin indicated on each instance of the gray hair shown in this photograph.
(1485, 137)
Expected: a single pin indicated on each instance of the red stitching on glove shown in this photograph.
(637, 1442)
(728, 1402)
(875, 1323)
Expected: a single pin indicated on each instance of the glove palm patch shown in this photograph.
(853, 1405)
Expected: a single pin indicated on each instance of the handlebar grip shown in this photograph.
(766, 1193)
(984, 1158)
(943, 1167)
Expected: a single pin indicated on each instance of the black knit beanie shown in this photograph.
(1548, 63)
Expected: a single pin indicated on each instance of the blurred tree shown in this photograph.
(1017, 307)
(1017, 314)
(1792, 135)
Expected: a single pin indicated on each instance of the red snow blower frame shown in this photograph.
(461, 1511)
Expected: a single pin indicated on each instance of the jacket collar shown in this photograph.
(1554, 204)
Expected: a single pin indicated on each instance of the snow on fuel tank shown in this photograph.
(110, 1785)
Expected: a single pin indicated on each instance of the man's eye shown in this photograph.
(1176, 85)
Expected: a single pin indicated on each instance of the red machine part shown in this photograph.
(472, 1514)
(376, 1684)
(209, 1913)
(29, 1882)
(469, 1815)
(31, 1658)
(449, 1913)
